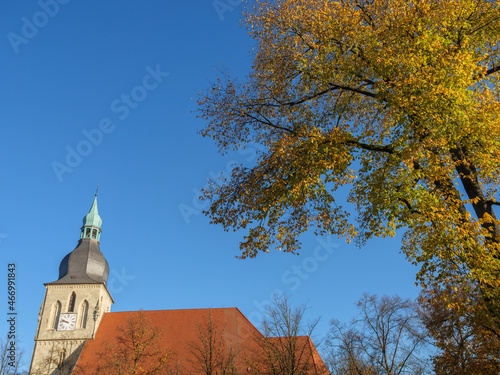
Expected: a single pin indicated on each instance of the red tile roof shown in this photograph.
(180, 331)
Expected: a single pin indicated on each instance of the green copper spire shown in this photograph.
(92, 223)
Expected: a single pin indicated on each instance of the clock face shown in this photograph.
(67, 322)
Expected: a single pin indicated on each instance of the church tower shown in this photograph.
(73, 304)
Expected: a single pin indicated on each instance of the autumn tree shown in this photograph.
(136, 350)
(465, 345)
(396, 99)
(285, 346)
(210, 353)
(386, 338)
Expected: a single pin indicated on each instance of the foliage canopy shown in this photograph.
(399, 100)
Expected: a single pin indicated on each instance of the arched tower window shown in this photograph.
(71, 305)
(56, 311)
(84, 312)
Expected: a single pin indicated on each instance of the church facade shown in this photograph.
(77, 333)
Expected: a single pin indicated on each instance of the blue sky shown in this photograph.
(103, 93)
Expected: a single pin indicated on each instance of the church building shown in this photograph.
(75, 303)
(77, 333)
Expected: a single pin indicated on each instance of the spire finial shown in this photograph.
(92, 222)
(97, 190)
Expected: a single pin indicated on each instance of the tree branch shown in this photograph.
(369, 147)
(408, 205)
(266, 121)
(493, 70)
(356, 90)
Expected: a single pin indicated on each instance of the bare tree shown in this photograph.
(387, 338)
(10, 357)
(210, 353)
(285, 348)
(345, 355)
(56, 362)
(136, 350)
